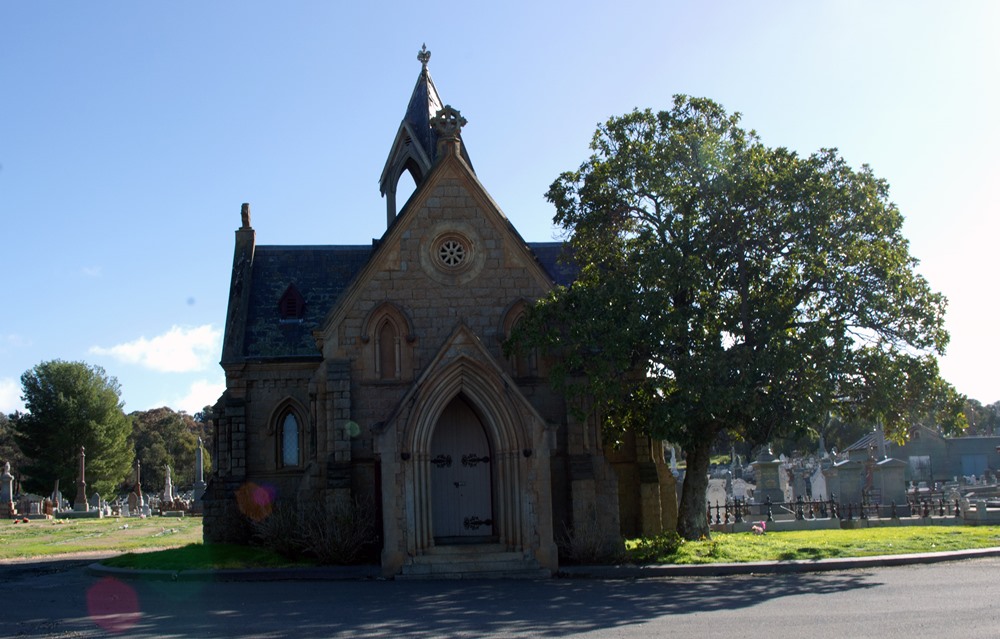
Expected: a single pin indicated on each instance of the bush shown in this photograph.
(591, 541)
(280, 531)
(340, 535)
(655, 549)
(336, 536)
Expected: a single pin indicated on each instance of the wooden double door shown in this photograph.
(461, 477)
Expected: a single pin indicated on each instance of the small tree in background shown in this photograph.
(9, 450)
(164, 437)
(69, 405)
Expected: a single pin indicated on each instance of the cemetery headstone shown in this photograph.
(80, 503)
(7, 492)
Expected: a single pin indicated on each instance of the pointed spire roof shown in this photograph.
(424, 105)
(415, 145)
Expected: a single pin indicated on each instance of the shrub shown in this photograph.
(655, 549)
(279, 531)
(341, 534)
(591, 541)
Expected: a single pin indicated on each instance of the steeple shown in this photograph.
(414, 148)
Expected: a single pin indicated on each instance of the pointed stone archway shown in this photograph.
(465, 384)
(461, 477)
(465, 381)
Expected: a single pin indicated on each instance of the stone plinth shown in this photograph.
(766, 470)
(851, 475)
(891, 477)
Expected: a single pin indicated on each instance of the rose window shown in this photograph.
(451, 252)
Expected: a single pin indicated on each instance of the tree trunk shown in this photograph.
(692, 523)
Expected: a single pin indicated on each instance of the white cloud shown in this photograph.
(179, 350)
(10, 396)
(92, 271)
(203, 392)
(13, 340)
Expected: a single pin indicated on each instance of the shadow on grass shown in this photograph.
(804, 554)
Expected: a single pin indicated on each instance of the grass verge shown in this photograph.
(159, 543)
(202, 557)
(811, 544)
(48, 537)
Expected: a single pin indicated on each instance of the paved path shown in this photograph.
(954, 599)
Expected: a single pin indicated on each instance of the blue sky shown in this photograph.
(130, 133)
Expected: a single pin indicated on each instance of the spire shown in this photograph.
(415, 148)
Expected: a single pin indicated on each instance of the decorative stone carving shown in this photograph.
(448, 122)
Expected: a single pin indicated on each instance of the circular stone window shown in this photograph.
(451, 252)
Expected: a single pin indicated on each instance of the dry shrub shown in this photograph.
(341, 534)
(591, 541)
(280, 530)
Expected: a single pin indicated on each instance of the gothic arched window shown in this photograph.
(387, 351)
(289, 438)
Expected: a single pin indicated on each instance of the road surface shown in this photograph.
(952, 599)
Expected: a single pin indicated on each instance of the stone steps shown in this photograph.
(474, 561)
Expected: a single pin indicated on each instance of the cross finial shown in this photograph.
(424, 55)
(448, 122)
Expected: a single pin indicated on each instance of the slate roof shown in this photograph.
(321, 274)
(424, 105)
(549, 255)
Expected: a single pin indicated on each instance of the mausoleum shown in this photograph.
(376, 373)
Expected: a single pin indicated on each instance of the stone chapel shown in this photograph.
(377, 372)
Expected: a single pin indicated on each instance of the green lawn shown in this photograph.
(175, 543)
(202, 557)
(47, 537)
(812, 544)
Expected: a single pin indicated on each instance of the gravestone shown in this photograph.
(7, 492)
(766, 470)
(168, 488)
(199, 476)
(80, 503)
(892, 481)
(818, 484)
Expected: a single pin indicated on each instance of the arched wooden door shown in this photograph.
(461, 477)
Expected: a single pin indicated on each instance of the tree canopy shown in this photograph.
(9, 450)
(725, 286)
(163, 437)
(69, 405)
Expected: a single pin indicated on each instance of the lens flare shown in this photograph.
(255, 501)
(113, 605)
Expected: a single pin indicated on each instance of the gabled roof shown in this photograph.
(319, 273)
(554, 258)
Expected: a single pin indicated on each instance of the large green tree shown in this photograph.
(726, 286)
(163, 437)
(69, 405)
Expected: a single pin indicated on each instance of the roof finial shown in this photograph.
(424, 55)
(448, 122)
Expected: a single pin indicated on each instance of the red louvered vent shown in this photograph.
(291, 306)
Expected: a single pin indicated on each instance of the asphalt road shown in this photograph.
(952, 599)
